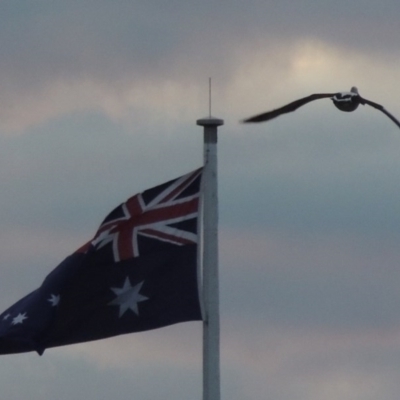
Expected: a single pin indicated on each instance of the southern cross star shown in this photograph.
(5, 318)
(54, 299)
(128, 297)
(19, 319)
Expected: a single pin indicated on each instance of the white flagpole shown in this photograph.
(211, 367)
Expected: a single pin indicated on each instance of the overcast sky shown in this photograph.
(99, 101)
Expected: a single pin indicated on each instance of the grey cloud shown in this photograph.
(52, 376)
(45, 41)
(312, 179)
(338, 282)
(51, 51)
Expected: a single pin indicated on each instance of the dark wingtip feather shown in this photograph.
(294, 105)
(381, 108)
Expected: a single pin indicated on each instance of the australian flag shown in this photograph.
(139, 272)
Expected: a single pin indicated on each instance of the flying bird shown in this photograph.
(344, 101)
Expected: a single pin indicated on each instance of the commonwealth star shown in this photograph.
(128, 297)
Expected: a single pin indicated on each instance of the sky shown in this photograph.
(99, 101)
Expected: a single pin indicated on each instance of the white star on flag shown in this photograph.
(19, 319)
(54, 299)
(128, 297)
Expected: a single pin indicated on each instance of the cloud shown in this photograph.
(310, 364)
(62, 377)
(178, 346)
(331, 281)
(135, 56)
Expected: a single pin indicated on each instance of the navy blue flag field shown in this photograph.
(138, 273)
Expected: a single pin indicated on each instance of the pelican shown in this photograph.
(344, 101)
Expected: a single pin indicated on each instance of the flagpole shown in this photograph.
(211, 363)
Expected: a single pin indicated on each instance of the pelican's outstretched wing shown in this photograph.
(287, 108)
(380, 108)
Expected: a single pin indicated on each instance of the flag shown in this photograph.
(139, 272)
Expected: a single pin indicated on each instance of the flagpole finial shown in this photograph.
(210, 121)
(209, 97)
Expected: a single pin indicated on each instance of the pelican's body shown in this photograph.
(347, 101)
(344, 101)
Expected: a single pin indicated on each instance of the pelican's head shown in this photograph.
(354, 90)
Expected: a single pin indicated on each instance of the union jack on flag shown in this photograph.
(161, 216)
